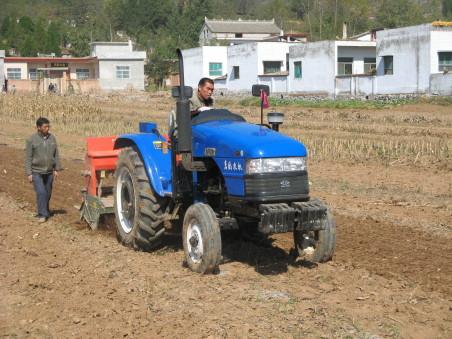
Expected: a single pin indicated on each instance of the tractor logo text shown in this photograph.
(285, 183)
(232, 166)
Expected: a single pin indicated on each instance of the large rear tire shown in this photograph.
(140, 213)
(317, 246)
(201, 237)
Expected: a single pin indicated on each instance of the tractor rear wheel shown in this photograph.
(201, 237)
(317, 246)
(140, 213)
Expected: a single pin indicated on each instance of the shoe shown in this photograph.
(42, 220)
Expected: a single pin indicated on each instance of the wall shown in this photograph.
(358, 54)
(277, 84)
(213, 54)
(193, 66)
(107, 75)
(440, 41)
(410, 48)
(83, 86)
(441, 84)
(93, 71)
(245, 57)
(22, 65)
(115, 50)
(272, 51)
(318, 68)
(24, 85)
(356, 86)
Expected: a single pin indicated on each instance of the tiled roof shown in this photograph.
(242, 26)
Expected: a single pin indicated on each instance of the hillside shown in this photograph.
(28, 27)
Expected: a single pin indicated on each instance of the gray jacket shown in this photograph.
(41, 154)
(196, 102)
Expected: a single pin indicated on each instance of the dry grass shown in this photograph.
(419, 134)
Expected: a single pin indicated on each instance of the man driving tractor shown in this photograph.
(203, 97)
(200, 101)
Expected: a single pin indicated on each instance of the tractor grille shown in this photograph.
(277, 185)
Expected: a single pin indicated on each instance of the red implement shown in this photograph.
(100, 156)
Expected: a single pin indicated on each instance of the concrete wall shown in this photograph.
(277, 84)
(272, 51)
(23, 69)
(245, 57)
(196, 63)
(24, 85)
(107, 75)
(213, 54)
(193, 66)
(441, 84)
(93, 70)
(440, 41)
(356, 86)
(250, 60)
(410, 48)
(116, 50)
(2, 71)
(112, 54)
(358, 54)
(84, 86)
(318, 68)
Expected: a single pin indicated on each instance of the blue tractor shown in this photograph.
(215, 172)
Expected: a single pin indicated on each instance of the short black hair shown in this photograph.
(42, 121)
(203, 81)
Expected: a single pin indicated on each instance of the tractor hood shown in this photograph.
(236, 138)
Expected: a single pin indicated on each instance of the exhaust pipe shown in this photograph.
(183, 118)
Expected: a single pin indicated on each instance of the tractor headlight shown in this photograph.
(275, 165)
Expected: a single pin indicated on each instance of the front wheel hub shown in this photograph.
(194, 243)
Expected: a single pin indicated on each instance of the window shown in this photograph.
(14, 73)
(239, 35)
(236, 72)
(370, 65)
(122, 72)
(298, 73)
(287, 62)
(83, 73)
(33, 74)
(215, 69)
(388, 64)
(344, 66)
(272, 67)
(445, 61)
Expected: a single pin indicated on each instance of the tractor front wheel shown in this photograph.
(201, 238)
(139, 212)
(317, 246)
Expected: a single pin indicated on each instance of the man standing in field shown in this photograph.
(42, 163)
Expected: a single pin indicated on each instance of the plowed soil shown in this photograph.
(60, 279)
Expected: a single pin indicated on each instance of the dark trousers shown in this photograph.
(43, 187)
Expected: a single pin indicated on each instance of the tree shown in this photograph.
(399, 13)
(447, 9)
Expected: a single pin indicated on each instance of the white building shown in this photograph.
(111, 66)
(237, 31)
(206, 61)
(416, 59)
(410, 60)
(120, 67)
(258, 63)
(332, 67)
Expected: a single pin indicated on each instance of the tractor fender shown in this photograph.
(156, 158)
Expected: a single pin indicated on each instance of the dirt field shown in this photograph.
(391, 275)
